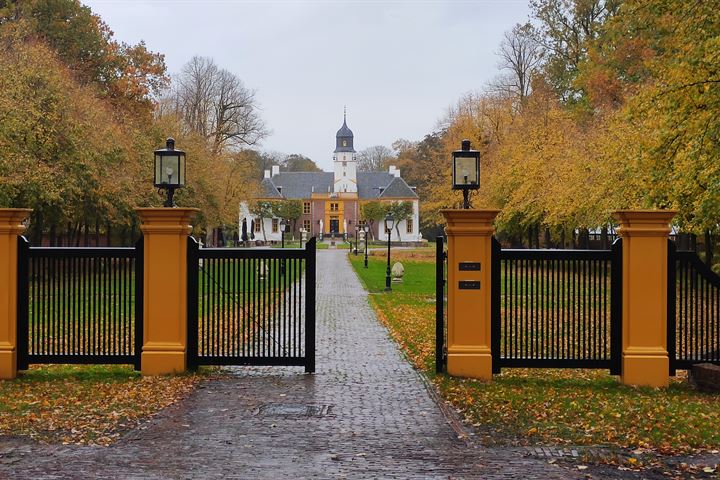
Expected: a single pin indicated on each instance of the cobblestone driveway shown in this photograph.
(365, 414)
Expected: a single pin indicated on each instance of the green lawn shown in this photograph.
(414, 281)
(526, 406)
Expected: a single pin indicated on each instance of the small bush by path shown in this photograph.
(526, 406)
(87, 404)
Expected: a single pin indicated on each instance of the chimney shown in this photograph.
(267, 174)
(394, 171)
(275, 170)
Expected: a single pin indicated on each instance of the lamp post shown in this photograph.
(389, 224)
(466, 171)
(367, 230)
(169, 170)
(283, 227)
(357, 239)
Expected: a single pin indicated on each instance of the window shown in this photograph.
(275, 225)
(306, 208)
(344, 164)
(409, 225)
(344, 143)
(306, 225)
(257, 224)
(361, 223)
(334, 207)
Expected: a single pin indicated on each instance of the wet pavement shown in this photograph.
(366, 413)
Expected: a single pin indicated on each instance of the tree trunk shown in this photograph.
(97, 233)
(584, 237)
(708, 249)
(548, 243)
(38, 230)
(52, 241)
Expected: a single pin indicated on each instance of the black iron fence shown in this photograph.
(251, 306)
(693, 310)
(440, 304)
(557, 308)
(79, 305)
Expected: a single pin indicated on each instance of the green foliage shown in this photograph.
(400, 211)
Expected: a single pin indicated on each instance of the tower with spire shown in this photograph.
(344, 160)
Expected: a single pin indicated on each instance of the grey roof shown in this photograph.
(299, 185)
(398, 189)
(268, 189)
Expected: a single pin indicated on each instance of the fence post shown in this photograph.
(193, 272)
(165, 232)
(644, 236)
(11, 227)
(469, 236)
(439, 305)
(310, 275)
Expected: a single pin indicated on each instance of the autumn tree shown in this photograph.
(520, 57)
(564, 29)
(298, 163)
(374, 159)
(215, 103)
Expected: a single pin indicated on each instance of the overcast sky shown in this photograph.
(397, 65)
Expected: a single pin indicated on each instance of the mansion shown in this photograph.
(331, 201)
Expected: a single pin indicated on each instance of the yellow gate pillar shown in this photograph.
(469, 237)
(10, 228)
(644, 310)
(165, 232)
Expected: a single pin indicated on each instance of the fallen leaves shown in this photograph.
(89, 404)
(580, 407)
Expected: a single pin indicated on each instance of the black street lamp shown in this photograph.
(357, 239)
(169, 170)
(466, 171)
(389, 224)
(283, 227)
(367, 231)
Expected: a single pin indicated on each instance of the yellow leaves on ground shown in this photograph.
(575, 407)
(84, 404)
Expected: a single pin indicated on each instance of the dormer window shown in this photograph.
(344, 143)
(279, 189)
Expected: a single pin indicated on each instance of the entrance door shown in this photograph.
(334, 226)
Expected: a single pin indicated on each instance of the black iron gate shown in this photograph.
(693, 311)
(557, 308)
(79, 305)
(251, 306)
